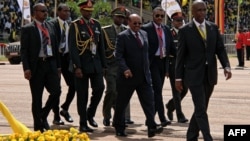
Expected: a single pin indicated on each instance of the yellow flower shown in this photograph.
(50, 135)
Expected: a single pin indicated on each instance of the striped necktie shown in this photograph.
(63, 38)
(45, 39)
(138, 39)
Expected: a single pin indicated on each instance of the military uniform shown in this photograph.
(88, 61)
(175, 102)
(110, 33)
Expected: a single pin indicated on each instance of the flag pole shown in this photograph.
(116, 1)
(141, 8)
(22, 14)
(238, 17)
(55, 8)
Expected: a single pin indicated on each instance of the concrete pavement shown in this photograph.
(229, 104)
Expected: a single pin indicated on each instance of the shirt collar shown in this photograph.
(198, 24)
(157, 26)
(60, 20)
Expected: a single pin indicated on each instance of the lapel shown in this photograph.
(36, 32)
(196, 31)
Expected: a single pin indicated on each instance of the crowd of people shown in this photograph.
(10, 13)
(131, 56)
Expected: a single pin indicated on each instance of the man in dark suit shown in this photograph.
(87, 53)
(133, 74)
(62, 29)
(160, 44)
(175, 102)
(41, 64)
(200, 43)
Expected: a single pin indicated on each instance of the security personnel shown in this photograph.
(175, 103)
(86, 48)
(110, 33)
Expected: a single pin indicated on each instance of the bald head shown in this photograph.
(199, 10)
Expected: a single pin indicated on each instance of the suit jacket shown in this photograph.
(194, 53)
(88, 62)
(154, 43)
(31, 45)
(130, 56)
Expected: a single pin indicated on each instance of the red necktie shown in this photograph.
(45, 39)
(138, 39)
(159, 32)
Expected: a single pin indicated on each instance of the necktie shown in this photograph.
(138, 39)
(45, 39)
(203, 34)
(63, 38)
(159, 32)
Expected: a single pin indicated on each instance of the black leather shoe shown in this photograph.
(66, 115)
(92, 122)
(85, 129)
(155, 130)
(58, 122)
(170, 115)
(128, 121)
(121, 134)
(106, 122)
(165, 123)
(182, 120)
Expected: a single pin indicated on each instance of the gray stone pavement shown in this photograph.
(229, 104)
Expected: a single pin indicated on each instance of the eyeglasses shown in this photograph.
(158, 15)
(43, 11)
(137, 23)
(178, 20)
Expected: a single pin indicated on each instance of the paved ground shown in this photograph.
(229, 105)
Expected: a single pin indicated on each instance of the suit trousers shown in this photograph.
(199, 120)
(69, 79)
(240, 56)
(146, 98)
(157, 69)
(111, 93)
(248, 52)
(44, 77)
(175, 102)
(82, 86)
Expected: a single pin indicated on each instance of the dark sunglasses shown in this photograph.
(178, 20)
(137, 23)
(43, 11)
(158, 15)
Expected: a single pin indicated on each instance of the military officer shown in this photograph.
(175, 103)
(88, 62)
(110, 33)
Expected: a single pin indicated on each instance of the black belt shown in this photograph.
(158, 57)
(44, 59)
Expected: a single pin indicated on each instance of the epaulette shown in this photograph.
(125, 26)
(75, 20)
(107, 26)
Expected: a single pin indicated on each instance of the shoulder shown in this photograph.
(53, 20)
(95, 21)
(29, 25)
(107, 27)
(147, 25)
(76, 21)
